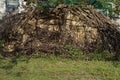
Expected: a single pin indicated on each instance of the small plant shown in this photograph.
(101, 54)
(72, 50)
(2, 42)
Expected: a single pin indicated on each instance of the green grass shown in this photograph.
(55, 68)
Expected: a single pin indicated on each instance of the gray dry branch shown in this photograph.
(79, 26)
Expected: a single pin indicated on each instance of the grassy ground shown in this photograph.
(54, 68)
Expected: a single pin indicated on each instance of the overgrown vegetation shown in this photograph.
(73, 51)
(99, 54)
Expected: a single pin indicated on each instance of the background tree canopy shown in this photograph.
(110, 8)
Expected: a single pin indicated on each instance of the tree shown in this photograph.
(106, 6)
(113, 6)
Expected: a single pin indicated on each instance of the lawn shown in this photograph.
(54, 68)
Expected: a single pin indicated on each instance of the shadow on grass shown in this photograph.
(9, 65)
(18, 74)
(116, 64)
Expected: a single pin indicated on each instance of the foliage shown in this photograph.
(30, 1)
(97, 3)
(104, 56)
(1, 42)
(51, 3)
(99, 54)
(73, 51)
(104, 5)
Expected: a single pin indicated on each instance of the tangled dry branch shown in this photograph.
(80, 26)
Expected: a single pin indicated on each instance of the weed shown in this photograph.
(72, 50)
(2, 42)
